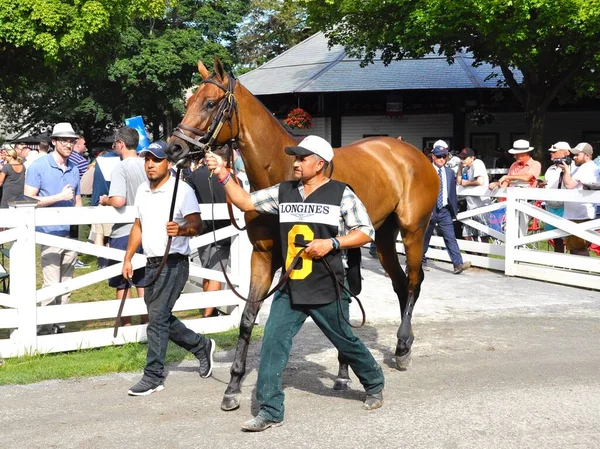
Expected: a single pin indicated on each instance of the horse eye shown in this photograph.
(210, 104)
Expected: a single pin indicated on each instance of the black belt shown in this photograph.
(173, 256)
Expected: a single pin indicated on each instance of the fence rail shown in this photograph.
(21, 315)
(515, 249)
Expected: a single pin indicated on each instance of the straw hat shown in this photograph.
(64, 129)
(520, 146)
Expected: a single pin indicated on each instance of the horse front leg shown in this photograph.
(263, 270)
(233, 393)
(343, 379)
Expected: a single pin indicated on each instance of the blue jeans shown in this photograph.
(160, 298)
(443, 219)
(285, 320)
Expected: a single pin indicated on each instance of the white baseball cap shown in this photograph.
(560, 146)
(312, 145)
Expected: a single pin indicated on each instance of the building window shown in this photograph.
(593, 138)
(484, 145)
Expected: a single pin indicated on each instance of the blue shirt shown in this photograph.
(46, 176)
(81, 162)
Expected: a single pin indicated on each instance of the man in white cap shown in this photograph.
(323, 216)
(54, 181)
(525, 170)
(559, 152)
(582, 171)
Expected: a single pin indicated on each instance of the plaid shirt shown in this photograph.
(353, 214)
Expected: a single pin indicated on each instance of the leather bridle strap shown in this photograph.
(170, 239)
(121, 306)
(282, 280)
(338, 292)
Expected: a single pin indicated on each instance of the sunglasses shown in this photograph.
(441, 157)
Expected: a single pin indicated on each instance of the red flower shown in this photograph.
(298, 118)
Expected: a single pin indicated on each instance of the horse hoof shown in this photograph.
(404, 361)
(231, 402)
(341, 384)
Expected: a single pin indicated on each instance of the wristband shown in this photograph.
(225, 179)
(336, 243)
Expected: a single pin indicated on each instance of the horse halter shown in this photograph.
(227, 107)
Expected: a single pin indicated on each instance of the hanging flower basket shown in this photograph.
(481, 117)
(298, 119)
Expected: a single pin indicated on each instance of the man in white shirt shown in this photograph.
(559, 152)
(474, 173)
(585, 171)
(152, 230)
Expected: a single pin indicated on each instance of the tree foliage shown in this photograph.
(270, 28)
(58, 28)
(554, 44)
(141, 68)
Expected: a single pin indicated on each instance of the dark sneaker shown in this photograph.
(258, 424)
(145, 387)
(206, 358)
(373, 401)
(462, 267)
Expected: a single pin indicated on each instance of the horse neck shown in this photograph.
(262, 140)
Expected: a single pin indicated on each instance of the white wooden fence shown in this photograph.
(514, 251)
(20, 312)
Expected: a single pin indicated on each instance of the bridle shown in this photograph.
(205, 140)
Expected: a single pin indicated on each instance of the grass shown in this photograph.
(95, 362)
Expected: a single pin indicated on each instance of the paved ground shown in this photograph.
(498, 362)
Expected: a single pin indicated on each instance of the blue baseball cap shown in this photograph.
(157, 148)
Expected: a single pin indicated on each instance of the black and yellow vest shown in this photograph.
(317, 217)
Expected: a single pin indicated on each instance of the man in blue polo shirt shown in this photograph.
(54, 181)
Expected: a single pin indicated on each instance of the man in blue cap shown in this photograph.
(151, 229)
(445, 210)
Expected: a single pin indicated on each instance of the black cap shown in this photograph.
(465, 153)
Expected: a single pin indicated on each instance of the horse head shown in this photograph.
(210, 118)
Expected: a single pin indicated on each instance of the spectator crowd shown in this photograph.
(58, 173)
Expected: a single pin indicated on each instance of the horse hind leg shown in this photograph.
(343, 379)
(385, 240)
(413, 244)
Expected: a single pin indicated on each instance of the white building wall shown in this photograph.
(412, 128)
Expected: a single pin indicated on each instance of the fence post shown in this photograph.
(511, 232)
(23, 278)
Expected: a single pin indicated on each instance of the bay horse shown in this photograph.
(394, 180)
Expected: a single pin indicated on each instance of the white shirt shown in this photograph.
(551, 177)
(477, 170)
(588, 173)
(152, 208)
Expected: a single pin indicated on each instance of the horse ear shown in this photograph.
(219, 70)
(202, 70)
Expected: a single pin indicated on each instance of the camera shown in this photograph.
(563, 160)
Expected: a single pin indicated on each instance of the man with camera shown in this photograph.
(583, 170)
(560, 153)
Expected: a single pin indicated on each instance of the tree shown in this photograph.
(270, 28)
(59, 28)
(543, 48)
(141, 68)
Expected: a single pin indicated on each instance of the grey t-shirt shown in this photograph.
(127, 176)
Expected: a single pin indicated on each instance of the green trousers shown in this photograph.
(285, 320)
